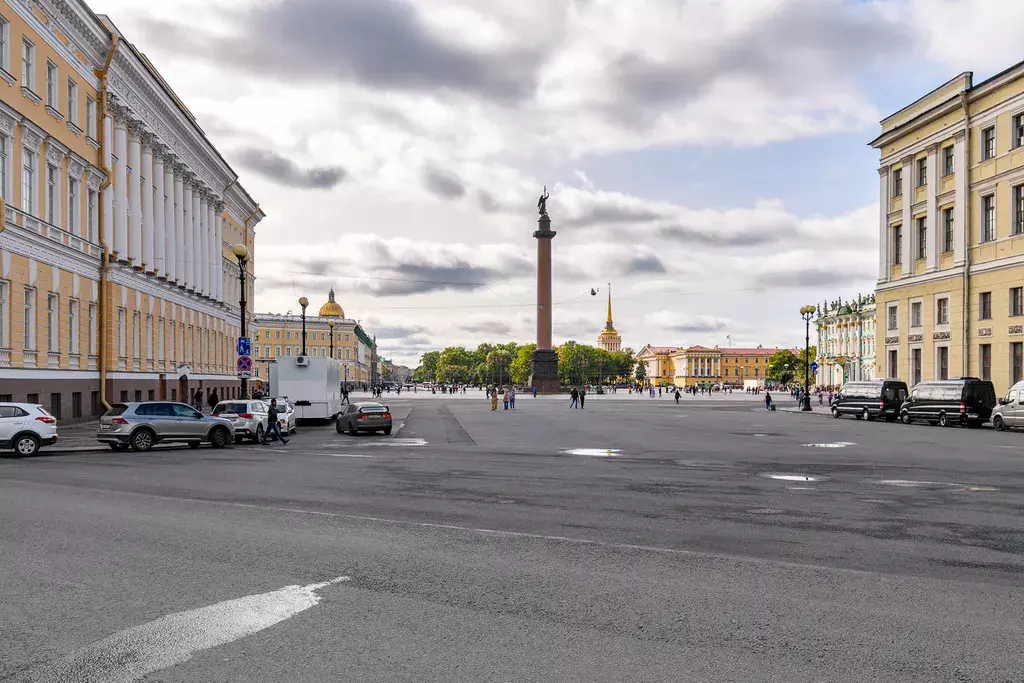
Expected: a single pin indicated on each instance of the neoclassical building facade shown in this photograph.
(846, 341)
(117, 279)
(609, 339)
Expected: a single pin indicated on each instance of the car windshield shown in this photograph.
(233, 407)
(372, 408)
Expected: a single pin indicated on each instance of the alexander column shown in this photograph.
(544, 365)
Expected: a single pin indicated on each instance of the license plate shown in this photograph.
(104, 426)
(972, 415)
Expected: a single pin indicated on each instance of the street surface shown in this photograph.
(633, 540)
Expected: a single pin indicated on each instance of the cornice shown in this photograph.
(30, 244)
(147, 285)
(32, 136)
(78, 25)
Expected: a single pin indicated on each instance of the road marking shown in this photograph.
(168, 641)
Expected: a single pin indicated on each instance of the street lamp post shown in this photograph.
(303, 301)
(241, 253)
(807, 312)
(330, 324)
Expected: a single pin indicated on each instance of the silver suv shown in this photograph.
(143, 425)
(248, 417)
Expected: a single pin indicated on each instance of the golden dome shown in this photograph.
(331, 309)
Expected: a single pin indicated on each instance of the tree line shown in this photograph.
(510, 363)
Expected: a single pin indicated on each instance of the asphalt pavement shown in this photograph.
(633, 540)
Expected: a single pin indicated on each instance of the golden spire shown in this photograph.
(608, 323)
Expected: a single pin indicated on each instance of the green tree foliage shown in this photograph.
(428, 364)
(641, 373)
(783, 366)
(519, 368)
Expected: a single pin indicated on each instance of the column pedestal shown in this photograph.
(544, 371)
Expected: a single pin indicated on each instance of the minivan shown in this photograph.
(870, 399)
(1009, 413)
(967, 401)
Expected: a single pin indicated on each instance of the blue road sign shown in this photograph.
(814, 367)
(244, 346)
(244, 367)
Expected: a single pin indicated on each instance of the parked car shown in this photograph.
(142, 425)
(870, 399)
(26, 427)
(249, 418)
(1009, 413)
(285, 415)
(364, 417)
(967, 401)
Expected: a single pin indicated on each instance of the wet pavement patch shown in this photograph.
(935, 485)
(780, 476)
(834, 444)
(595, 452)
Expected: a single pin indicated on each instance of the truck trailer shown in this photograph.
(311, 383)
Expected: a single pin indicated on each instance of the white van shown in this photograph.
(1009, 413)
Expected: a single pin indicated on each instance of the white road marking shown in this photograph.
(168, 641)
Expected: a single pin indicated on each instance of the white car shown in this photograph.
(249, 418)
(285, 415)
(26, 427)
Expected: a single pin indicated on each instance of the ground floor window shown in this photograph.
(94, 399)
(893, 357)
(916, 364)
(985, 361)
(32, 398)
(942, 360)
(55, 405)
(1017, 361)
(76, 404)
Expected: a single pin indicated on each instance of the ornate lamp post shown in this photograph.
(330, 324)
(303, 301)
(241, 253)
(807, 312)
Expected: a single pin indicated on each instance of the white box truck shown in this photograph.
(311, 383)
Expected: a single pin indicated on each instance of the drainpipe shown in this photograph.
(105, 258)
(965, 368)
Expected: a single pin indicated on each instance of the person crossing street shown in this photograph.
(273, 426)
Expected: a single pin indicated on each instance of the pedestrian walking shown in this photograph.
(273, 425)
(583, 396)
(512, 398)
(197, 400)
(504, 398)
(677, 395)
(574, 398)
(535, 392)
(344, 395)
(493, 393)
(212, 400)
(767, 400)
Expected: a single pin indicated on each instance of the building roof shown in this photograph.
(658, 349)
(331, 309)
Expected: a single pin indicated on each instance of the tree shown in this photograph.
(520, 367)
(641, 372)
(428, 364)
(783, 366)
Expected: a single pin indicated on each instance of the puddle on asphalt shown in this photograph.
(349, 455)
(835, 444)
(789, 477)
(947, 485)
(594, 452)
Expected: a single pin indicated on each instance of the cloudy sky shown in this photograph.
(707, 157)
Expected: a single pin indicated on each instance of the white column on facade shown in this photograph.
(120, 196)
(148, 215)
(218, 240)
(187, 235)
(159, 215)
(179, 227)
(107, 198)
(204, 236)
(883, 224)
(961, 198)
(134, 197)
(908, 216)
(197, 246)
(201, 242)
(211, 258)
(934, 244)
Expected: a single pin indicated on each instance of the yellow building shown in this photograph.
(702, 365)
(117, 281)
(609, 339)
(951, 233)
(658, 364)
(280, 336)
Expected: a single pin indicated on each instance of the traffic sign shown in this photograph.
(244, 367)
(814, 367)
(244, 346)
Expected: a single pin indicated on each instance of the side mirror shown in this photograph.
(1004, 402)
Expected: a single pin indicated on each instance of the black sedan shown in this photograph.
(364, 417)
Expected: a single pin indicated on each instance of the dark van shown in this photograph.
(967, 401)
(870, 399)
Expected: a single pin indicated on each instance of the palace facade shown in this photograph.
(846, 341)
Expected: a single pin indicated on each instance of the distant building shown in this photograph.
(846, 341)
(658, 364)
(609, 339)
(694, 365)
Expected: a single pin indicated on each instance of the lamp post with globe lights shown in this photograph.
(241, 253)
(303, 302)
(330, 324)
(807, 312)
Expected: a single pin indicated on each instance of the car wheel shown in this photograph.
(219, 438)
(943, 420)
(998, 423)
(193, 445)
(26, 445)
(835, 412)
(142, 440)
(259, 434)
(905, 418)
(387, 431)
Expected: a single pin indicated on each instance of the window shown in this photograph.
(985, 358)
(1016, 362)
(985, 306)
(32, 398)
(5, 41)
(277, 335)
(266, 351)
(277, 351)
(897, 182)
(76, 404)
(90, 117)
(892, 369)
(3, 166)
(72, 102)
(94, 401)
(922, 238)
(28, 181)
(288, 351)
(30, 318)
(988, 218)
(5, 314)
(948, 165)
(55, 405)
(72, 225)
(897, 249)
(947, 230)
(1018, 210)
(135, 335)
(1017, 301)
(942, 356)
(28, 62)
(988, 143)
(91, 216)
(51, 194)
(51, 85)
(287, 335)
(138, 395)
(73, 326)
(942, 311)
(52, 311)
(922, 171)
(915, 314)
(121, 333)
(915, 366)
(1018, 130)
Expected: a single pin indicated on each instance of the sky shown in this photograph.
(707, 158)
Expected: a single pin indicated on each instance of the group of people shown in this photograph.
(508, 397)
